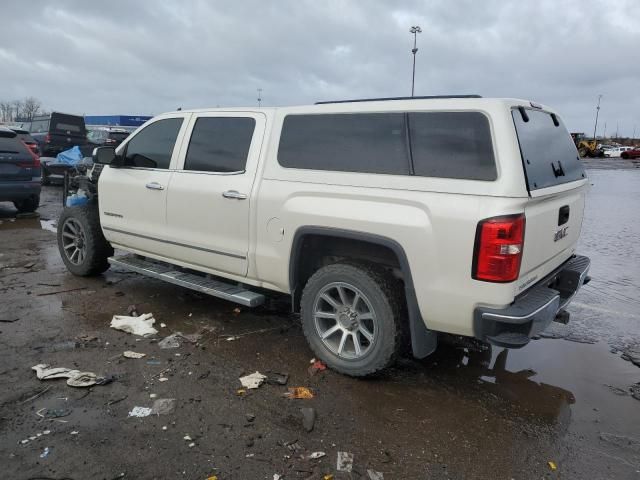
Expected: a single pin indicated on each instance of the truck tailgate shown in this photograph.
(553, 224)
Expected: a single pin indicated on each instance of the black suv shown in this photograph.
(58, 132)
(19, 172)
(109, 136)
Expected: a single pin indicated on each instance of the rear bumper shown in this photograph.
(534, 309)
(18, 190)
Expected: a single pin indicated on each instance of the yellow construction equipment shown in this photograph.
(586, 147)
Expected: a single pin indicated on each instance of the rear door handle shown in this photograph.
(234, 194)
(154, 186)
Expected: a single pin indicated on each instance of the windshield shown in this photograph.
(548, 153)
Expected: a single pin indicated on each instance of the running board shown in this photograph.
(171, 273)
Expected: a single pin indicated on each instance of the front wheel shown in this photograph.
(351, 317)
(82, 246)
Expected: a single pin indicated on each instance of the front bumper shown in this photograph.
(533, 310)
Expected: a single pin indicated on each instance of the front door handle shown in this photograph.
(154, 186)
(234, 194)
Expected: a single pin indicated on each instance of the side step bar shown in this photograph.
(172, 274)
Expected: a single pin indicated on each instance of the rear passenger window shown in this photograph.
(363, 142)
(220, 144)
(153, 146)
(452, 145)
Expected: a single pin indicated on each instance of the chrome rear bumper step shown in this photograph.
(172, 274)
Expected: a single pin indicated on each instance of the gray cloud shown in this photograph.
(152, 56)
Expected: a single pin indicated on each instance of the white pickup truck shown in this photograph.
(384, 221)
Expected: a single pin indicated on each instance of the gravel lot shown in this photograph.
(566, 398)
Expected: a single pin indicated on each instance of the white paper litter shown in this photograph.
(130, 354)
(141, 325)
(140, 412)
(49, 225)
(252, 381)
(345, 462)
(316, 455)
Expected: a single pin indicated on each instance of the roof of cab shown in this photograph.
(392, 104)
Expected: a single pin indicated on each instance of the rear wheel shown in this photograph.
(351, 317)
(625, 155)
(27, 205)
(83, 248)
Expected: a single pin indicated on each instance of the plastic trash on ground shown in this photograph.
(253, 380)
(316, 366)
(75, 378)
(344, 462)
(140, 412)
(163, 406)
(316, 455)
(552, 466)
(130, 354)
(141, 325)
(299, 393)
(375, 475)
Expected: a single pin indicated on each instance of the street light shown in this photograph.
(597, 112)
(415, 30)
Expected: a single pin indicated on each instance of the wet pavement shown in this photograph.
(460, 413)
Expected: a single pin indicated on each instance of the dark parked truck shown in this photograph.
(19, 172)
(58, 132)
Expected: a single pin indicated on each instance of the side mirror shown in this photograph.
(104, 155)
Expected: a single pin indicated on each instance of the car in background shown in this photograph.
(26, 137)
(634, 152)
(19, 172)
(106, 136)
(616, 151)
(58, 132)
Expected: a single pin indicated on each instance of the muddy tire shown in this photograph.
(82, 246)
(351, 316)
(27, 205)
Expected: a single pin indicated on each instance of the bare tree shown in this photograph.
(16, 107)
(30, 108)
(5, 111)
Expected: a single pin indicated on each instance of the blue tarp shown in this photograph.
(73, 156)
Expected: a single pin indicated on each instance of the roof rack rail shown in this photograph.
(385, 99)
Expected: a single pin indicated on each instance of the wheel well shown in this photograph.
(313, 251)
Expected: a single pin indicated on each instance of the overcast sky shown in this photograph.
(147, 57)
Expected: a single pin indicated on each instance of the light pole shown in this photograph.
(597, 112)
(259, 97)
(415, 30)
(604, 135)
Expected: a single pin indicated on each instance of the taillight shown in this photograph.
(498, 248)
(34, 157)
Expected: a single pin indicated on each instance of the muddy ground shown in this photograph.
(459, 414)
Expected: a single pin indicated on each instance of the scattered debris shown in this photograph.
(191, 445)
(61, 291)
(49, 225)
(141, 325)
(163, 325)
(163, 406)
(45, 453)
(132, 311)
(375, 475)
(33, 397)
(344, 462)
(140, 412)
(316, 455)
(130, 354)
(328, 477)
(53, 412)
(187, 438)
(299, 393)
(232, 338)
(250, 417)
(34, 437)
(86, 379)
(277, 476)
(552, 466)
(276, 378)
(308, 418)
(253, 380)
(116, 400)
(75, 378)
(163, 379)
(236, 311)
(316, 366)
(172, 341)
(75, 432)
(154, 362)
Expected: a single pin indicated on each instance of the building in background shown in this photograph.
(115, 120)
